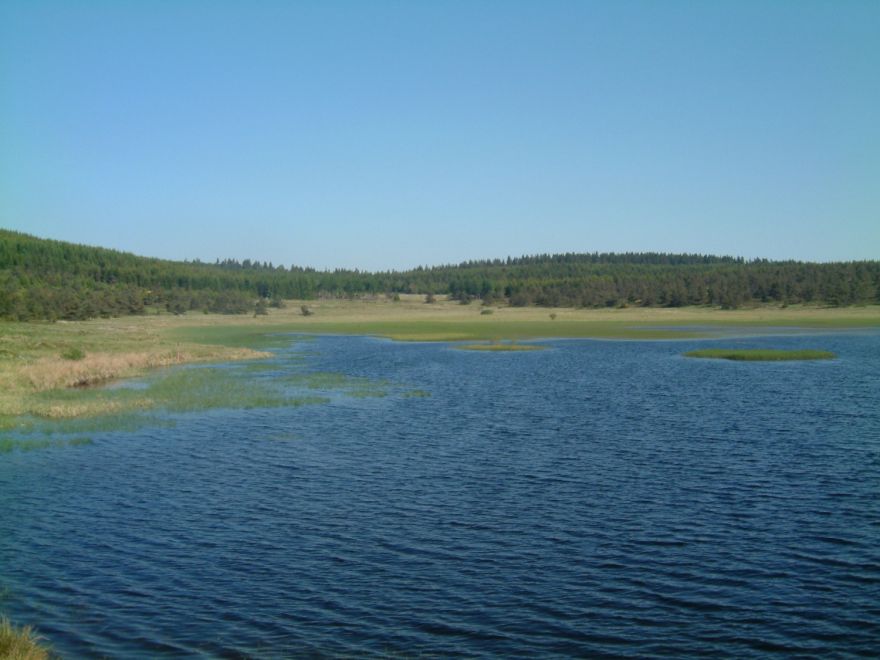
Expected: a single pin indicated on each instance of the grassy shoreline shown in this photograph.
(44, 366)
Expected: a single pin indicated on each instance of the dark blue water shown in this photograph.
(596, 498)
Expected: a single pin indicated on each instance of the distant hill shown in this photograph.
(47, 279)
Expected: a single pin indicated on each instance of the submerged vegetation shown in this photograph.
(500, 347)
(360, 388)
(416, 394)
(20, 643)
(9, 444)
(46, 279)
(760, 354)
(177, 391)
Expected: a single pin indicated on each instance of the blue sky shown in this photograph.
(381, 135)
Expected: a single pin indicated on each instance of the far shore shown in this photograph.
(38, 359)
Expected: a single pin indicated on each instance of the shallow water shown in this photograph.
(600, 497)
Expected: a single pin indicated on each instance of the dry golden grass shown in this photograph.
(50, 373)
(31, 361)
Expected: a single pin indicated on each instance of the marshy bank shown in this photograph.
(55, 371)
(160, 398)
(58, 371)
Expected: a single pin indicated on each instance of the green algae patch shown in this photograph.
(500, 348)
(760, 354)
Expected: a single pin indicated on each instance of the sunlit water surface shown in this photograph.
(596, 497)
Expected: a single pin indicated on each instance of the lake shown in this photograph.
(594, 498)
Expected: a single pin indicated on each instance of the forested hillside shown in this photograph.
(46, 279)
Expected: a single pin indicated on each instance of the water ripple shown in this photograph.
(602, 498)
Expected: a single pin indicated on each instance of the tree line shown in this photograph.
(47, 279)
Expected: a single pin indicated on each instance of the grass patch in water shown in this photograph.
(416, 394)
(319, 380)
(180, 390)
(255, 367)
(30, 444)
(9, 444)
(367, 393)
(354, 386)
(206, 388)
(500, 347)
(71, 411)
(760, 354)
(327, 380)
(121, 422)
(297, 401)
(283, 437)
(20, 643)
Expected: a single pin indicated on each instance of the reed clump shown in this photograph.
(20, 643)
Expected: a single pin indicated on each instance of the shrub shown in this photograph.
(73, 353)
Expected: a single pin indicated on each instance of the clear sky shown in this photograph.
(380, 135)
